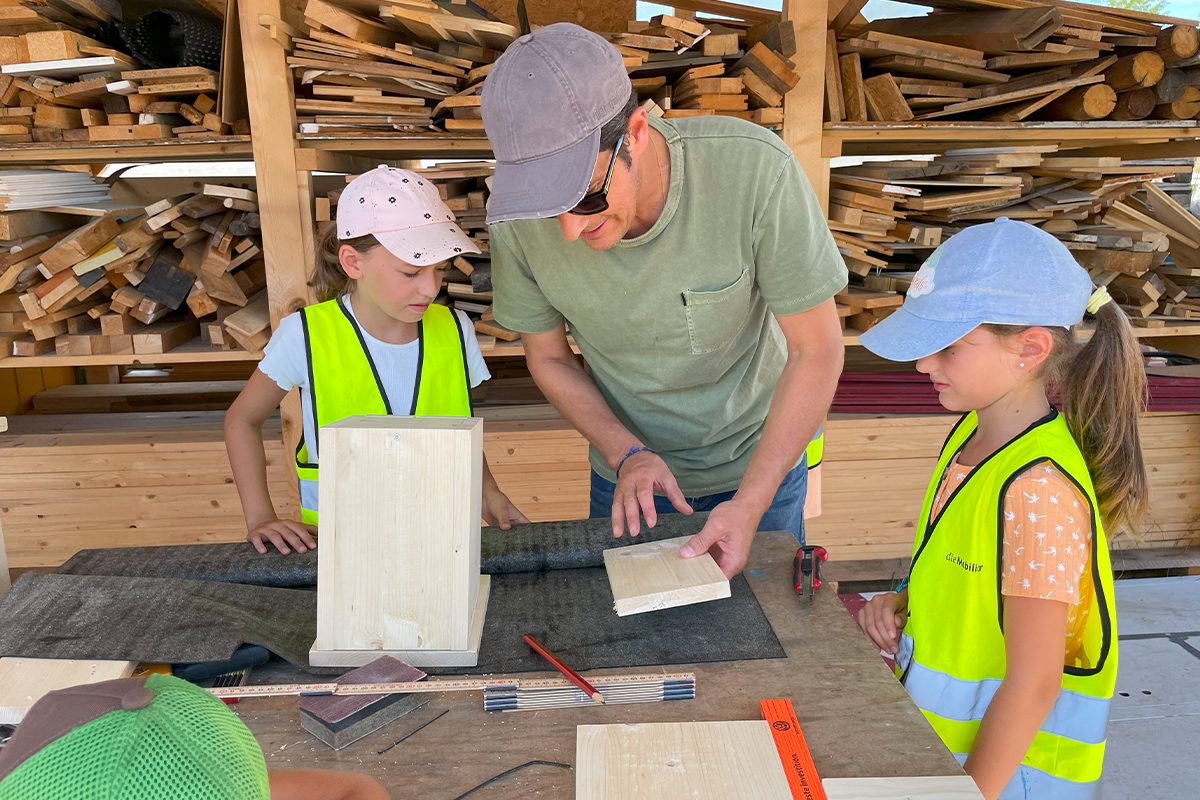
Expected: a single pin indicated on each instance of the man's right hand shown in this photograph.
(642, 474)
(281, 533)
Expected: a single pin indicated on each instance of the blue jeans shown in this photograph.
(785, 514)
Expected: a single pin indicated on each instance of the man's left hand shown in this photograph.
(726, 535)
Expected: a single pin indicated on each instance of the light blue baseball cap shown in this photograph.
(1004, 273)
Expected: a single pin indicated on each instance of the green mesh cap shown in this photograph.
(160, 738)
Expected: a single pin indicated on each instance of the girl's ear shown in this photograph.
(348, 257)
(1034, 346)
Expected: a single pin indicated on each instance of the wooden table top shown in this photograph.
(855, 715)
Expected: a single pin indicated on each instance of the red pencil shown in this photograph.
(568, 673)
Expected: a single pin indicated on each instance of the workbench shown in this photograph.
(855, 715)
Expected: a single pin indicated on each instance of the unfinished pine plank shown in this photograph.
(853, 92)
(936, 68)
(653, 576)
(1011, 97)
(24, 681)
(734, 760)
(399, 524)
(835, 107)
(884, 100)
(992, 31)
(928, 787)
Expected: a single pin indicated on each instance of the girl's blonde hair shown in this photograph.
(329, 280)
(1102, 387)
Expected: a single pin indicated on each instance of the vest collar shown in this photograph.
(931, 521)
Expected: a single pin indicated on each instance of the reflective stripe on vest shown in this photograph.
(343, 380)
(952, 656)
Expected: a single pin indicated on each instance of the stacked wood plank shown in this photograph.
(131, 490)
(139, 281)
(887, 216)
(139, 480)
(420, 65)
(1011, 61)
(59, 85)
(744, 73)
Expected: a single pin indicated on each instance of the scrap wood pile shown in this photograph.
(141, 282)
(1011, 60)
(887, 216)
(420, 65)
(65, 76)
(468, 283)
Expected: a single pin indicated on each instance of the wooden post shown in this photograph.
(803, 129)
(803, 106)
(285, 193)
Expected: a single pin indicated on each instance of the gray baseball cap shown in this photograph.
(1003, 273)
(544, 102)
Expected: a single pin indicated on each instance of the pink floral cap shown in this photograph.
(405, 213)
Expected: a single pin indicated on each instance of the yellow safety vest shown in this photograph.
(815, 452)
(952, 656)
(343, 380)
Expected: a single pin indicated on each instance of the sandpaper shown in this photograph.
(341, 721)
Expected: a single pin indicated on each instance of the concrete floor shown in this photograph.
(1154, 725)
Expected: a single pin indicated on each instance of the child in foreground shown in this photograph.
(154, 738)
(1005, 634)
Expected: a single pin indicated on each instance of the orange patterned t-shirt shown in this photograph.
(1047, 541)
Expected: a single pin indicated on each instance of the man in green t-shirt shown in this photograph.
(693, 265)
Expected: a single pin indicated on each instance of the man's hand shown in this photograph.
(642, 474)
(498, 509)
(281, 533)
(726, 535)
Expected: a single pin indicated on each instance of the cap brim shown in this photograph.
(903, 336)
(545, 187)
(427, 244)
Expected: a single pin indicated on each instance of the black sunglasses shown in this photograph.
(597, 201)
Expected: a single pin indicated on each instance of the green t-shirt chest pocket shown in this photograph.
(715, 317)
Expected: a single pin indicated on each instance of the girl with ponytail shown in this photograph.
(1005, 633)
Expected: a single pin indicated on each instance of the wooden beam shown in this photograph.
(286, 210)
(803, 106)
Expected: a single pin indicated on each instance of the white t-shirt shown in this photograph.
(284, 361)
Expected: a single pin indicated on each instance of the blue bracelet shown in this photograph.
(632, 450)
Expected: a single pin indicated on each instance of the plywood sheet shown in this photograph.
(24, 681)
(653, 576)
(678, 761)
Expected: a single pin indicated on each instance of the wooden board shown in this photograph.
(467, 657)
(679, 761)
(398, 566)
(24, 681)
(653, 576)
(925, 787)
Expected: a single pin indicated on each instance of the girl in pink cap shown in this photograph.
(377, 344)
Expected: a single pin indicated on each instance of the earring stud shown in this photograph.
(1022, 364)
